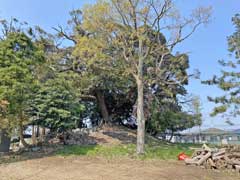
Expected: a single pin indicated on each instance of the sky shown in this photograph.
(207, 45)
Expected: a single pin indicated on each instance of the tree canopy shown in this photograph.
(19, 58)
(120, 60)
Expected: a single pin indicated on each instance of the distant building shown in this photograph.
(211, 136)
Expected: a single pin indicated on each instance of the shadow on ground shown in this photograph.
(28, 154)
(44, 151)
(124, 137)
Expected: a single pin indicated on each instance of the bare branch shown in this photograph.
(64, 34)
(179, 38)
(133, 14)
(88, 97)
(165, 8)
(123, 17)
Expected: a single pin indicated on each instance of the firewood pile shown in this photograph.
(216, 158)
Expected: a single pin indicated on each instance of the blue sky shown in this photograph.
(206, 46)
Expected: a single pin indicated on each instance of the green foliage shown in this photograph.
(116, 47)
(229, 80)
(56, 105)
(19, 57)
(197, 115)
(170, 121)
(109, 53)
(34, 91)
(170, 116)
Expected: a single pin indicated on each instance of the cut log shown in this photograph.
(221, 164)
(234, 154)
(204, 158)
(221, 152)
(189, 161)
(197, 152)
(217, 157)
(231, 161)
(210, 161)
(224, 158)
(198, 157)
(237, 167)
(206, 148)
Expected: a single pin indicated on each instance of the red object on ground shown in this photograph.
(182, 156)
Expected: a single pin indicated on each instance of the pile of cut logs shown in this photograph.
(216, 158)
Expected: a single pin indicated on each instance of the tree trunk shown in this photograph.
(21, 135)
(103, 107)
(140, 101)
(37, 133)
(43, 133)
(5, 141)
(140, 118)
(170, 139)
(33, 135)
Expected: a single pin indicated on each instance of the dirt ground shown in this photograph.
(85, 168)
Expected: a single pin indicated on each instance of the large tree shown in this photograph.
(19, 58)
(133, 30)
(100, 77)
(229, 80)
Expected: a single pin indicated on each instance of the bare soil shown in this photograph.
(44, 165)
(86, 168)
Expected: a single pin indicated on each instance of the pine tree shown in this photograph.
(229, 80)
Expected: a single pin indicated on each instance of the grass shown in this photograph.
(164, 151)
